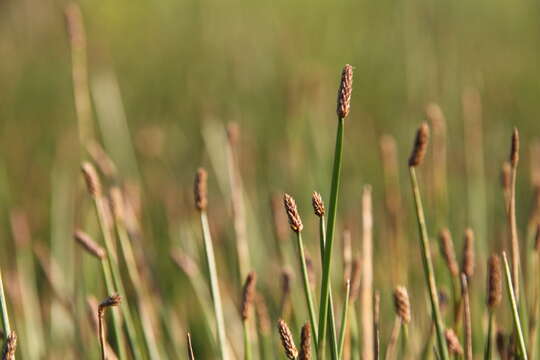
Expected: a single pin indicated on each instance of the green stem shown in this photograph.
(344, 317)
(515, 312)
(214, 286)
(307, 290)
(142, 295)
(489, 343)
(247, 345)
(117, 280)
(117, 321)
(334, 192)
(332, 318)
(428, 266)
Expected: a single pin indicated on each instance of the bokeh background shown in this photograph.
(166, 77)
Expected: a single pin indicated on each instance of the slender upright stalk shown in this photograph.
(514, 159)
(420, 148)
(394, 337)
(343, 108)
(248, 297)
(466, 317)
(191, 355)
(214, 286)
(515, 312)
(489, 342)
(366, 295)
(344, 320)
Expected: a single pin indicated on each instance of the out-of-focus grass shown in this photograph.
(184, 69)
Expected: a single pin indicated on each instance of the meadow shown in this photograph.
(210, 180)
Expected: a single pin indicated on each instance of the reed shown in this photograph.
(191, 354)
(343, 109)
(416, 158)
(201, 203)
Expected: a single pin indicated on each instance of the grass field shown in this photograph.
(168, 153)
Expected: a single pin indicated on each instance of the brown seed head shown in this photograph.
(200, 189)
(88, 244)
(318, 204)
(292, 213)
(305, 345)
(447, 247)
(494, 281)
(344, 92)
(91, 178)
(248, 295)
(402, 304)
(452, 341)
(287, 340)
(420, 145)
(468, 254)
(514, 149)
(113, 300)
(10, 347)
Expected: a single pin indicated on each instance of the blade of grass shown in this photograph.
(344, 318)
(515, 312)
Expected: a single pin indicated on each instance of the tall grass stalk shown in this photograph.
(515, 311)
(344, 97)
(416, 158)
(366, 295)
(344, 319)
(467, 317)
(514, 159)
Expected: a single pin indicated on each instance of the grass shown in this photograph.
(192, 114)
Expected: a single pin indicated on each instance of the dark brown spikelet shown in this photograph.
(344, 92)
(88, 244)
(305, 345)
(420, 145)
(447, 248)
(10, 346)
(93, 185)
(113, 300)
(318, 204)
(191, 355)
(494, 281)
(200, 189)
(287, 340)
(292, 213)
(248, 295)
(402, 304)
(468, 254)
(514, 148)
(452, 341)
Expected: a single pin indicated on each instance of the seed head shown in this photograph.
(452, 341)
(248, 295)
(344, 92)
(537, 238)
(514, 149)
(113, 300)
(318, 204)
(420, 145)
(10, 346)
(292, 213)
(88, 244)
(494, 281)
(402, 304)
(468, 254)
(447, 247)
(305, 344)
(200, 189)
(287, 340)
(91, 178)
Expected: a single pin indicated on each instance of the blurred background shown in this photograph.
(166, 78)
